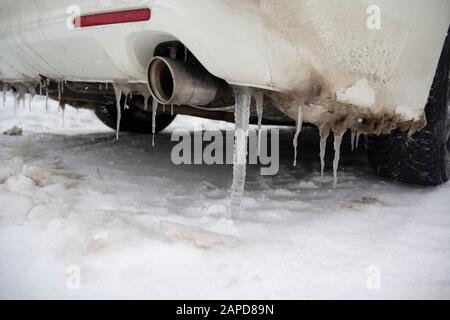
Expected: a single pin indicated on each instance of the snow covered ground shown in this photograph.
(119, 219)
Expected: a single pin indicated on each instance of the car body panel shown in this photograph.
(291, 46)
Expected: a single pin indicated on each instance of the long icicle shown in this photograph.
(242, 119)
(59, 95)
(358, 135)
(154, 110)
(324, 132)
(337, 155)
(118, 93)
(297, 132)
(259, 100)
(146, 102)
(32, 93)
(62, 114)
(352, 138)
(5, 87)
(46, 99)
(16, 104)
(171, 109)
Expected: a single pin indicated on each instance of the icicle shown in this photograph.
(62, 115)
(358, 134)
(297, 132)
(324, 133)
(16, 103)
(118, 93)
(352, 138)
(46, 100)
(143, 90)
(31, 94)
(171, 109)
(40, 87)
(337, 155)
(259, 101)
(145, 102)
(154, 109)
(106, 85)
(5, 89)
(164, 108)
(242, 119)
(125, 91)
(59, 96)
(20, 95)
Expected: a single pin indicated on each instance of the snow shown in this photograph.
(361, 94)
(201, 238)
(137, 226)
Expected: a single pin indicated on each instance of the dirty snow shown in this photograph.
(361, 94)
(137, 226)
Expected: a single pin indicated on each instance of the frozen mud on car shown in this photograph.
(134, 225)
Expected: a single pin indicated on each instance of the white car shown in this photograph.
(364, 65)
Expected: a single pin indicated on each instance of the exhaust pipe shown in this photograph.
(173, 82)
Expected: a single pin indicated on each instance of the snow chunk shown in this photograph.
(201, 238)
(19, 183)
(42, 212)
(216, 210)
(307, 185)
(14, 131)
(15, 165)
(39, 175)
(5, 174)
(361, 94)
(14, 205)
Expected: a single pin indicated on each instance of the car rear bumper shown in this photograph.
(315, 51)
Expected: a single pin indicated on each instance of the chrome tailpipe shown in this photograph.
(173, 82)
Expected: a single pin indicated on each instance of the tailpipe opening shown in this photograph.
(174, 82)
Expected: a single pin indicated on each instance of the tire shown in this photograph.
(132, 119)
(421, 158)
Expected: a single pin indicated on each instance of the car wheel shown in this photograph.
(420, 158)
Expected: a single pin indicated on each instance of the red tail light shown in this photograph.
(101, 19)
